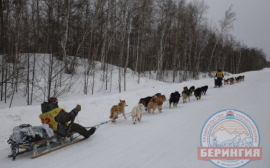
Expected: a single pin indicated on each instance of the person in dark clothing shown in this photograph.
(219, 78)
(59, 119)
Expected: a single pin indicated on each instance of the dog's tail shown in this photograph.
(111, 115)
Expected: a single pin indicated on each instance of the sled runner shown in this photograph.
(49, 150)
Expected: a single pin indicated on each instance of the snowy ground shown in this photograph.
(169, 139)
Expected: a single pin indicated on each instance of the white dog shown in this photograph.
(136, 113)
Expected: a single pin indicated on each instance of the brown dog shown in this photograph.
(152, 104)
(186, 94)
(156, 102)
(118, 109)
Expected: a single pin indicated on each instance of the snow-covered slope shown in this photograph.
(169, 139)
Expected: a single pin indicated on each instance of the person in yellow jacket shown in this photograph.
(57, 118)
(219, 78)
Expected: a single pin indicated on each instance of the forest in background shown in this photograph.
(147, 36)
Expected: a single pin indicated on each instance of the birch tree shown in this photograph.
(225, 25)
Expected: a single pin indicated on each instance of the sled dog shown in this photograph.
(186, 94)
(204, 89)
(137, 112)
(198, 93)
(118, 109)
(174, 98)
(156, 102)
(191, 89)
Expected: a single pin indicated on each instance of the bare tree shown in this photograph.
(147, 36)
(225, 25)
(65, 35)
(128, 30)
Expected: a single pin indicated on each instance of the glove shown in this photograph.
(78, 107)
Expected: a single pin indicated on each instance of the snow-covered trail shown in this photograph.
(168, 139)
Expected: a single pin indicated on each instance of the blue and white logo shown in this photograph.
(230, 138)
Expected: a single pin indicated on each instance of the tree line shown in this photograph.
(148, 36)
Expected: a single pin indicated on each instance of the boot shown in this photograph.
(90, 132)
(82, 131)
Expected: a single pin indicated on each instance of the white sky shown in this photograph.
(252, 25)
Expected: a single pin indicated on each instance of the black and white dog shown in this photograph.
(174, 98)
(191, 89)
(204, 89)
(198, 93)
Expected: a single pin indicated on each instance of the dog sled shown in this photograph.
(26, 138)
(218, 82)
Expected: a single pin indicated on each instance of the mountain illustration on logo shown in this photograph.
(231, 127)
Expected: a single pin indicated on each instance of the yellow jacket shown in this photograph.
(219, 74)
(48, 118)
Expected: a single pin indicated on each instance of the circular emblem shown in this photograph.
(230, 138)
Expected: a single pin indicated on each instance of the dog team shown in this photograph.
(151, 103)
(233, 80)
(186, 93)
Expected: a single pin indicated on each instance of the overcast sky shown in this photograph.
(252, 25)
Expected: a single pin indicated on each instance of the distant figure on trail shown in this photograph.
(219, 78)
(59, 119)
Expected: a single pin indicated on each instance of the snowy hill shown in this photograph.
(169, 139)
